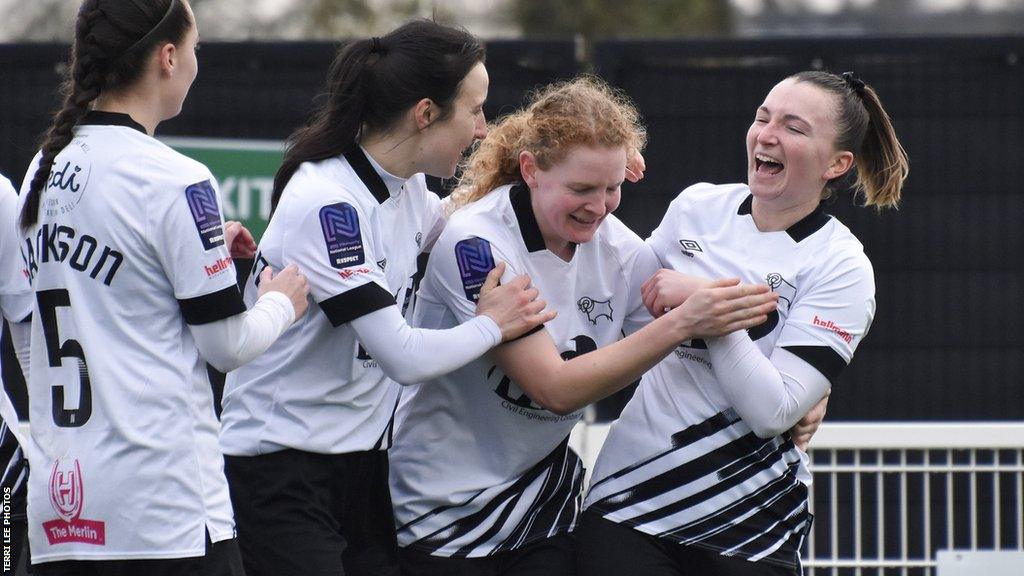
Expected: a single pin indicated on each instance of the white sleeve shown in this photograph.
(411, 355)
(187, 235)
(16, 298)
(21, 340)
(664, 238)
(336, 246)
(231, 342)
(641, 266)
(770, 395)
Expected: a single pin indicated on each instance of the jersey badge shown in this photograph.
(419, 239)
(340, 225)
(202, 203)
(688, 247)
(67, 494)
(595, 309)
(475, 261)
(779, 285)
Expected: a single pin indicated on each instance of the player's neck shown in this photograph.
(558, 246)
(395, 153)
(141, 109)
(776, 215)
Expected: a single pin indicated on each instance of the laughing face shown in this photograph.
(573, 197)
(445, 140)
(791, 152)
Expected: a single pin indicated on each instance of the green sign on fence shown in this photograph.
(245, 171)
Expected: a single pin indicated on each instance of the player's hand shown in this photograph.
(514, 307)
(724, 307)
(802, 431)
(288, 282)
(635, 166)
(667, 289)
(239, 240)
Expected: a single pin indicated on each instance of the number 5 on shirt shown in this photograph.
(56, 351)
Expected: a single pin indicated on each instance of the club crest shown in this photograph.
(595, 309)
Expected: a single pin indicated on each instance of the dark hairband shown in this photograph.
(855, 84)
(152, 31)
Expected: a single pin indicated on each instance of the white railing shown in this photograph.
(888, 496)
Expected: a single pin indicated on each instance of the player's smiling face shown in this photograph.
(791, 151)
(571, 198)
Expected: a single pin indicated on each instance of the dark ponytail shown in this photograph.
(864, 128)
(112, 41)
(373, 81)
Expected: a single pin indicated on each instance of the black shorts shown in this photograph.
(610, 549)
(300, 513)
(555, 556)
(221, 559)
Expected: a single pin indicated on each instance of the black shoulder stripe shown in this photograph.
(212, 307)
(357, 302)
(824, 359)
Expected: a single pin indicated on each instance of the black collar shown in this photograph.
(361, 164)
(805, 227)
(101, 118)
(519, 196)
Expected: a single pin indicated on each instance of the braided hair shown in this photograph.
(113, 39)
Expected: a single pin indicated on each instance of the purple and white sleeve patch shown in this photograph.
(202, 203)
(475, 261)
(340, 225)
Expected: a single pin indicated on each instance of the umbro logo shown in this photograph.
(382, 263)
(689, 247)
(595, 309)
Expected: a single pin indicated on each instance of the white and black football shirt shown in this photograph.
(127, 251)
(15, 290)
(355, 231)
(680, 463)
(16, 306)
(477, 467)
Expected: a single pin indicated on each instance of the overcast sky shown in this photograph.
(276, 19)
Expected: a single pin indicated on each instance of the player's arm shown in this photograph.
(21, 341)
(230, 342)
(789, 390)
(16, 296)
(411, 355)
(566, 386)
(189, 241)
(807, 427)
(772, 394)
(350, 290)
